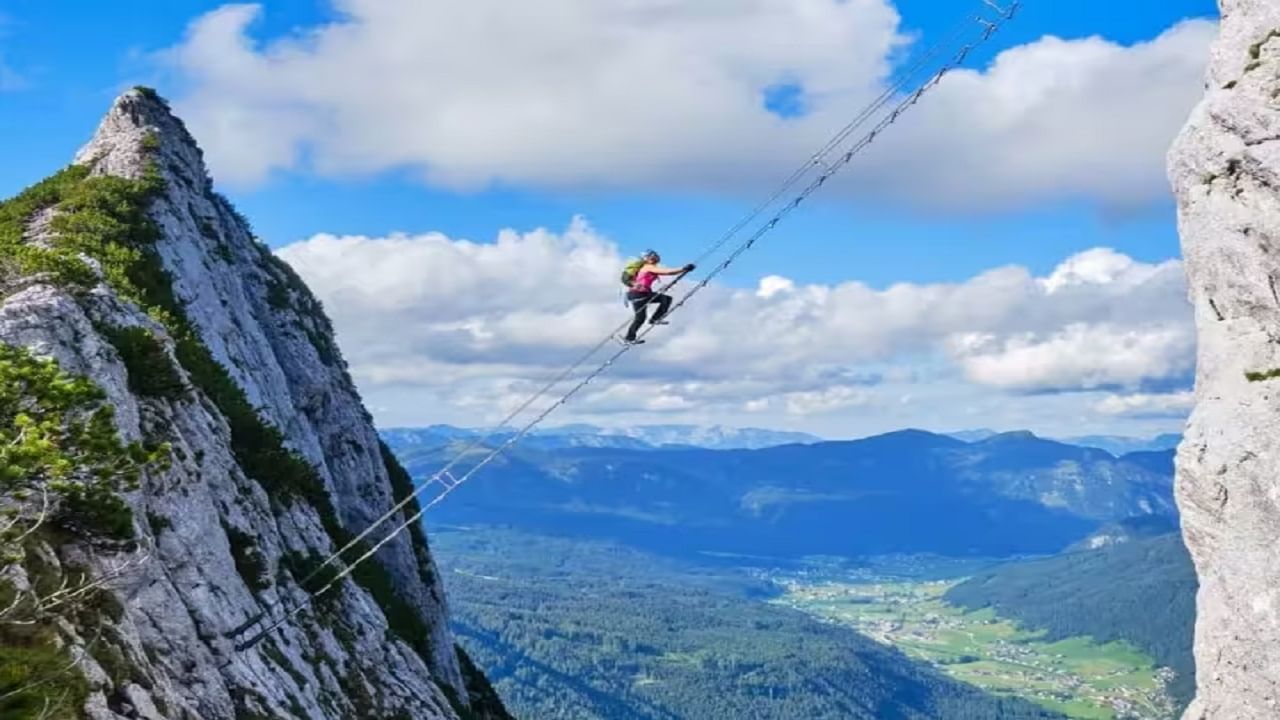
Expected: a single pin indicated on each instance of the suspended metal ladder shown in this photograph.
(921, 76)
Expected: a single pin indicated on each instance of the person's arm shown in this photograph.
(656, 270)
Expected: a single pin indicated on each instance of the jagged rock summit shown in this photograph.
(130, 272)
(1225, 169)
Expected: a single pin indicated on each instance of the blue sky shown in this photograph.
(65, 62)
(72, 69)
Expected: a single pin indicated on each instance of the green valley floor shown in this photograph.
(1076, 676)
(587, 630)
(592, 630)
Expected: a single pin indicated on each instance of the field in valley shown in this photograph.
(1077, 677)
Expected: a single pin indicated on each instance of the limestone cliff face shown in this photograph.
(222, 535)
(1225, 169)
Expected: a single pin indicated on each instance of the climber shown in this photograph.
(639, 276)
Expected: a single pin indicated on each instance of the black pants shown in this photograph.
(640, 301)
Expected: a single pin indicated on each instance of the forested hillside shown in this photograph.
(575, 630)
(1141, 591)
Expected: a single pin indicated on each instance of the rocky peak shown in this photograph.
(1225, 169)
(140, 129)
(221, 368)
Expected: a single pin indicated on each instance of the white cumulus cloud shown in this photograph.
(1079, 356)
(624, 95)
(1141, 405)
(434, 325)
(771, 285)
(825, 401)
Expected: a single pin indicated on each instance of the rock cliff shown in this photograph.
(1225, 169)
(245, 456)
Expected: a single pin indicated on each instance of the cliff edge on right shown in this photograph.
(1225, 170)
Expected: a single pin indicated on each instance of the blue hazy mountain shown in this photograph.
(1127, 530)
(1120, 445)
(908, 491)
(976, 435)
(1115, 444)
(637, 437)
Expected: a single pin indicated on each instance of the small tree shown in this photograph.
(62, 469)
(61, 459)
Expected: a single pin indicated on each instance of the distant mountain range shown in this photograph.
(908, 491)
(638, 437)
(1118, 445)
(713, 437)
(1115, 444)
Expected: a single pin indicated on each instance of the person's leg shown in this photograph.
(640, 304)
(663, 301)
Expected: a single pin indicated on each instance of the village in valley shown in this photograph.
(1074, 676)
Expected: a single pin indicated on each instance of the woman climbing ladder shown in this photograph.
(639, 277)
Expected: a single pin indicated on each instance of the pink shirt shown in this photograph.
(644, 281)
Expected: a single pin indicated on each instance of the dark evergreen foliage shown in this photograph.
(569, 629)
(484, 700)
(151, 370)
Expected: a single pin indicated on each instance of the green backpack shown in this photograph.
(630, 270)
